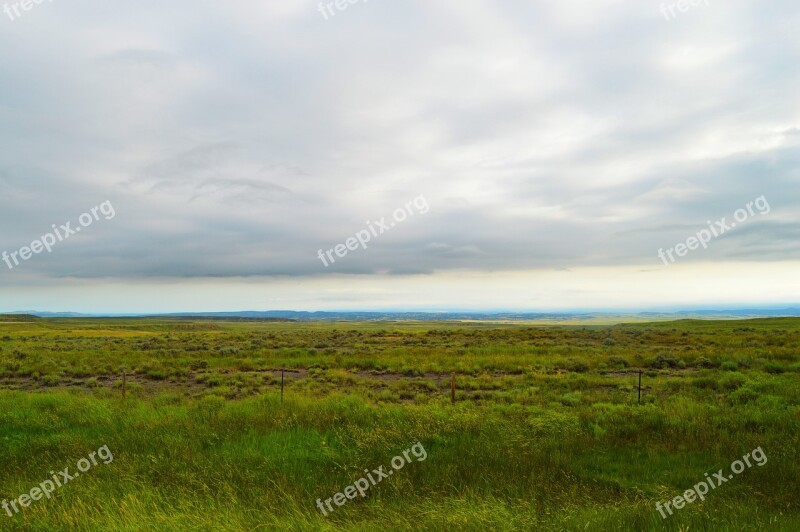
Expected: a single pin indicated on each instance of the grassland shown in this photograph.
(546, 431)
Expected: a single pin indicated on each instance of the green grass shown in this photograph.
(546, 432)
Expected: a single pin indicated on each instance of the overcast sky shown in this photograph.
(555, 145)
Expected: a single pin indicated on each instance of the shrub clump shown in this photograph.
(774, 368)
(617, 362)
(198, 364)
(732, 381)
(573, 364)
(704, 362)
(662, 362)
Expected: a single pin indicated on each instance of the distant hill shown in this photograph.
(226, 317)
(289, 315)
(38, 314)
(18, 317)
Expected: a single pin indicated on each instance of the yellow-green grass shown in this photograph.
(546, 432)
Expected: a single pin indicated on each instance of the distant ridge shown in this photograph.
(290, 315)
(14, 316)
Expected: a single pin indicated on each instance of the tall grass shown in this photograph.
(546, 433)
(212, 464)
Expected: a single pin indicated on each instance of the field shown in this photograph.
(546, 432)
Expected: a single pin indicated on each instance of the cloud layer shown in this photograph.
(235, 141)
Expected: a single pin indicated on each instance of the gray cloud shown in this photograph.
(237, 140)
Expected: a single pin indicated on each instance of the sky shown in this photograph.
(399, 155)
